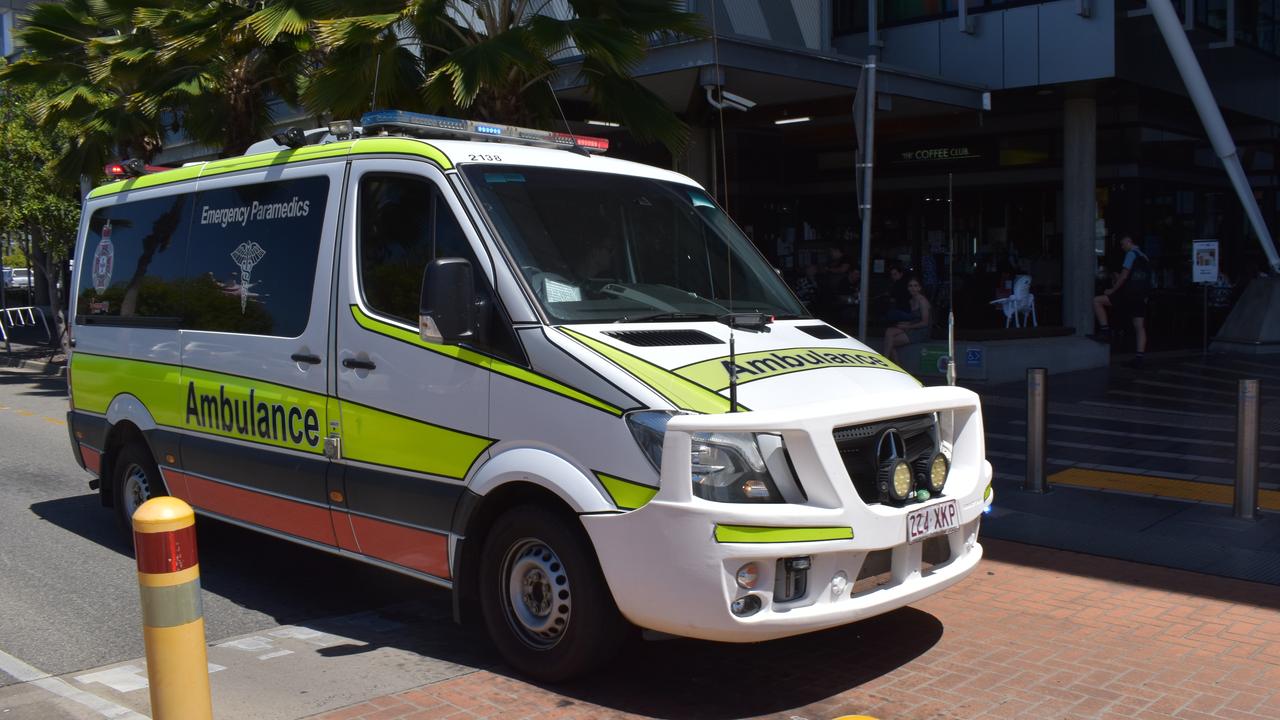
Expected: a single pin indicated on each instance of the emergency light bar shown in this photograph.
(130, 169)
(423, 125)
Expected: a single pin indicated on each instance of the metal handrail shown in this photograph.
(25, 317)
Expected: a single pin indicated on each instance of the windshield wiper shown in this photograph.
(658, 317)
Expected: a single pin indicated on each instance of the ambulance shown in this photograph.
(563, 386)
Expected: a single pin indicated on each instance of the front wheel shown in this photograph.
(135, 480)
(545, 602)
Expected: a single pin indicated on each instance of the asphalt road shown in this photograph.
(68, 590)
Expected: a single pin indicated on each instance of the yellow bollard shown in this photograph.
(164, 540)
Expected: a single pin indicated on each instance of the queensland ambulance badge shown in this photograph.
(104, 260)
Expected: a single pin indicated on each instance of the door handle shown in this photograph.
(305, 358)
(355, 364)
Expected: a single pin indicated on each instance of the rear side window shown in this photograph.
(405, 223)
(251, 261)
(133, 263)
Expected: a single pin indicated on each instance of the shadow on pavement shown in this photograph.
(696, 679)
(375, 608)
(36, 385)
(1128, 572)
(297, 585)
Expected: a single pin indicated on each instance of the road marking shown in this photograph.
(29, 674)
(249, 644)
(55, 421)
(276, 654)
(123, 679)
(1160, 487)
(315, 637)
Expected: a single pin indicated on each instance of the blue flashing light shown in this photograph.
(488, 129)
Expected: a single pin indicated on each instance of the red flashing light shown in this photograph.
(130, 169)
(591, 143)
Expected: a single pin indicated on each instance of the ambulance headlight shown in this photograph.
(728, 467)
(649, 428)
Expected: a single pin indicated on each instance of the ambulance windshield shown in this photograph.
(599, 247)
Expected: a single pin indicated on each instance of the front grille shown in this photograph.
(660, 338)
(861, 448)
(877, 567)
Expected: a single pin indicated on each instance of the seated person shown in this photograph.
(915, 329)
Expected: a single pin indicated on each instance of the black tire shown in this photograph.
(550, 637)
(135, 478)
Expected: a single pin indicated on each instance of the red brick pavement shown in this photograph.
(1034, 633)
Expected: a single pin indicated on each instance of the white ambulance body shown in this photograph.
(506, 369)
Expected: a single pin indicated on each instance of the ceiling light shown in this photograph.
(791, 121)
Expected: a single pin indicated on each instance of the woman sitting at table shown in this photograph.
(915, 329)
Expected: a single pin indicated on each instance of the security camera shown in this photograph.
(727, 100)
(737, 99)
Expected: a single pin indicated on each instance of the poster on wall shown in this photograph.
(1204, 261)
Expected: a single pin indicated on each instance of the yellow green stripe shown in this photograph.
(280, 157)
(714, 373)
(401, 146)
(368, 435)
(363, 146)
(146, 181)
(96, 380)
(627, 495)
(479, 360)
(680, 392)
(753, 534)
(382, 438)
(986, 494)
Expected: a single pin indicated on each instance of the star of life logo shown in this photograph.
(104, 260)
(246, 256)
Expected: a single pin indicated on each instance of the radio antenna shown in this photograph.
(951, 291)
(373, 94)
(556, 100)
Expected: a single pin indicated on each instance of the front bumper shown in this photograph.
(668, 571)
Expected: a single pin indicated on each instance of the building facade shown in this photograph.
(1015, 137)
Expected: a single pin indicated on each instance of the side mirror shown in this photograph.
(447, 310)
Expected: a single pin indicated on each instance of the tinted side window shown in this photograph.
(251, 264)
(132, 264)
(405, 224)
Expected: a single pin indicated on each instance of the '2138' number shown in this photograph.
(484, 158)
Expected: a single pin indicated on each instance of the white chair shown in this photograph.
(1019, 306)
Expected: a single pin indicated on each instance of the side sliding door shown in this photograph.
(255, 348)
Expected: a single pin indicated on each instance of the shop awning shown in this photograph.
(770, 74)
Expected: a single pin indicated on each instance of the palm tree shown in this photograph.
(90, 61)
(221, 65)
(495, 58)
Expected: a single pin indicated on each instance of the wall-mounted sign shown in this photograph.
(963, 152)
(1204, 261)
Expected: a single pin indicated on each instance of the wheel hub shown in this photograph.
(536, 600)
(136, 488)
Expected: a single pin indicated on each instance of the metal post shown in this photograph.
(868, 165)
(1037, 408)
(1244, 505)
(164, 539)
(1211, 116)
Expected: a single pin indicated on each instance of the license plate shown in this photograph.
(932, 520)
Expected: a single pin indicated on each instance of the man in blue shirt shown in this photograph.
(1127, 296)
